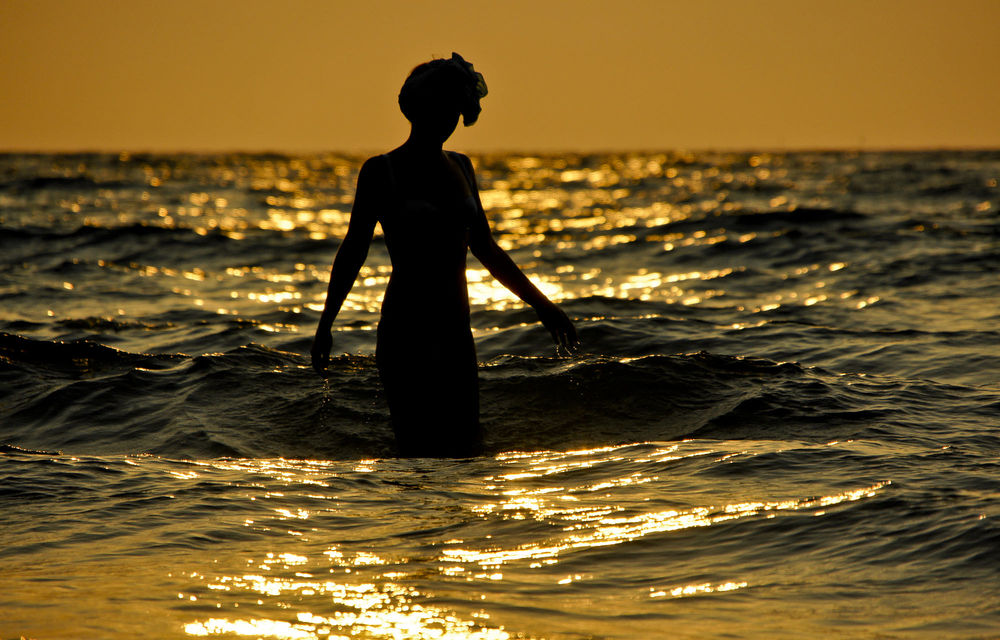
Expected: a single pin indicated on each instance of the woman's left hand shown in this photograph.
(559, 325)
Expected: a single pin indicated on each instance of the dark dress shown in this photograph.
(425, 352)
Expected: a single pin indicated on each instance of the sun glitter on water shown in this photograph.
(343, 593)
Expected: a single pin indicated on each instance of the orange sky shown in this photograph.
(656, 74)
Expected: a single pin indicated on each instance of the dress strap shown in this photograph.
(469, 176)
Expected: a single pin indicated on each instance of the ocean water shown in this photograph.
(782, 421)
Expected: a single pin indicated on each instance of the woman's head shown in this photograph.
(442, 89)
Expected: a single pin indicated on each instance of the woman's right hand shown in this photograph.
(320, 350)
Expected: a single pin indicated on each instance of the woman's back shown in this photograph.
(425, 220)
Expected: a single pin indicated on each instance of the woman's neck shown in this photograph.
(427, 140)
(423, 146)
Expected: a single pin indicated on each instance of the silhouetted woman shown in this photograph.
(428, 204)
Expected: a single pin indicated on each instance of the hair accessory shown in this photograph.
(477, 82)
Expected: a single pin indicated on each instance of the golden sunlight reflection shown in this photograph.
(559, 215)
(587, 525)
(696, 589)
(368, 610)
(288, 472)
(255, 627)
(312, 586)
(311, 591)
(485, 291)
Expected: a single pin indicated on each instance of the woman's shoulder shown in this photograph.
(376, 169)
(463, 161)
(376, 163)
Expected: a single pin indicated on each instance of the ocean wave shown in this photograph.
(256, 401)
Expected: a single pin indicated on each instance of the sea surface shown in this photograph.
(782, 421)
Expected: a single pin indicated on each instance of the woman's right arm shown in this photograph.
(350, 256)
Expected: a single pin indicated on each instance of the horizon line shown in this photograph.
(506, 151)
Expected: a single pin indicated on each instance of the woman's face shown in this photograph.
(437, 124)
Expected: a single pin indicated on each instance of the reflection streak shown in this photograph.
(304, 593)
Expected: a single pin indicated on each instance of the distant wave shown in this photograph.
(56, 183)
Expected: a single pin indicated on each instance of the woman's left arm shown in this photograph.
(503, 268)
